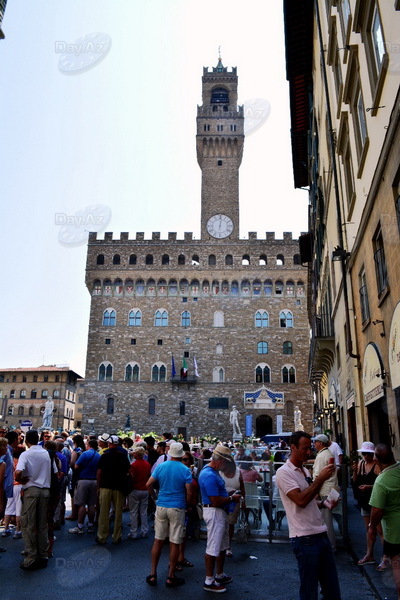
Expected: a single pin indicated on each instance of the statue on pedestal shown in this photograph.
(234, 421)
(48, 413)
(298, 425)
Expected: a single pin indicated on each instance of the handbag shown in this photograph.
(243, 530)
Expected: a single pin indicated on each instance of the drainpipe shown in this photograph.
(349, 342)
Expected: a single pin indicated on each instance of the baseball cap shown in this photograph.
(321, 438)
(113, 439)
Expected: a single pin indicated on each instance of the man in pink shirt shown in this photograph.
(307, 530)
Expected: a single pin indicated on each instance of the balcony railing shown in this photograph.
(323, 326)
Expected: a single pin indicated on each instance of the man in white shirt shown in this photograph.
(307, 530)
(325, 457)
(33, 471)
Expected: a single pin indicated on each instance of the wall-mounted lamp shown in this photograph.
(331, 405)
(339, 254)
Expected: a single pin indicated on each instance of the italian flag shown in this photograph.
(184, 368)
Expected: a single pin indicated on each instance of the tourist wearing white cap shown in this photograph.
(364, 474)
(325, 457)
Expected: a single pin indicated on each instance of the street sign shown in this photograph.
(26, 425)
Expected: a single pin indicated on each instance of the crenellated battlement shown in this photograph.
(188, 237)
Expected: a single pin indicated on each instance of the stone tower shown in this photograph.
(219, 143)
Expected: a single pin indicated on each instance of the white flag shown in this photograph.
(196, 372)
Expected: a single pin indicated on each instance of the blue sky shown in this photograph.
(98, 110)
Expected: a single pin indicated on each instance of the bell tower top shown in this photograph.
(219, 143)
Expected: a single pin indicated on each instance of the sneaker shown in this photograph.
(17, 535)
(76, 530)
(214, 587)
(6, 533)
(224, 580)
(90, 529)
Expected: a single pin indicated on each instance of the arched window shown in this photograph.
(33, 393)
(278, 288)
(161, 318)
(149, 259)
(212, 261)
(12, 394)
(218, 375)
(31, 411)
(285, 318)
(105, 371)
(287, 348)
(132, 372)
(185, 318)
(246, 259)
(288, 374)
(116, 259)
(263, 373)
(158, 372)
(218, 319)
(100, 259)
(262, 260)
(296, 259)
(22, 394)
(10, 410)
(109, 317)
(262, 318)
(20, 411)
(229, 259)
(280, 260)
(44, 393)
(181, 259)
(262, 348)
(132, 259)
(110, 405)
(152, 406)
(165, 259)
(220, 96)
(56, 393)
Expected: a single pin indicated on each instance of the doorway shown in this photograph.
(263, 425)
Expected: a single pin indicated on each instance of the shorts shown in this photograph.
(234, 515)
(169, 523)
(85, 492)
(14, 504)
(391, 550)
(216, 520)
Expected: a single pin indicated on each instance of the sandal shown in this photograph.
(174, 581)
(152, 579)
(383, 565)
(366, 561)
(179, 565)
(184, 563)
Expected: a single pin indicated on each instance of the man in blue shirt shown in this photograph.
(174, 480)
(215, 502)
(86, 489)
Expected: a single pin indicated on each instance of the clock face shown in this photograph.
(219, 226)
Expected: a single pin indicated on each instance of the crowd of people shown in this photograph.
(172, 486)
